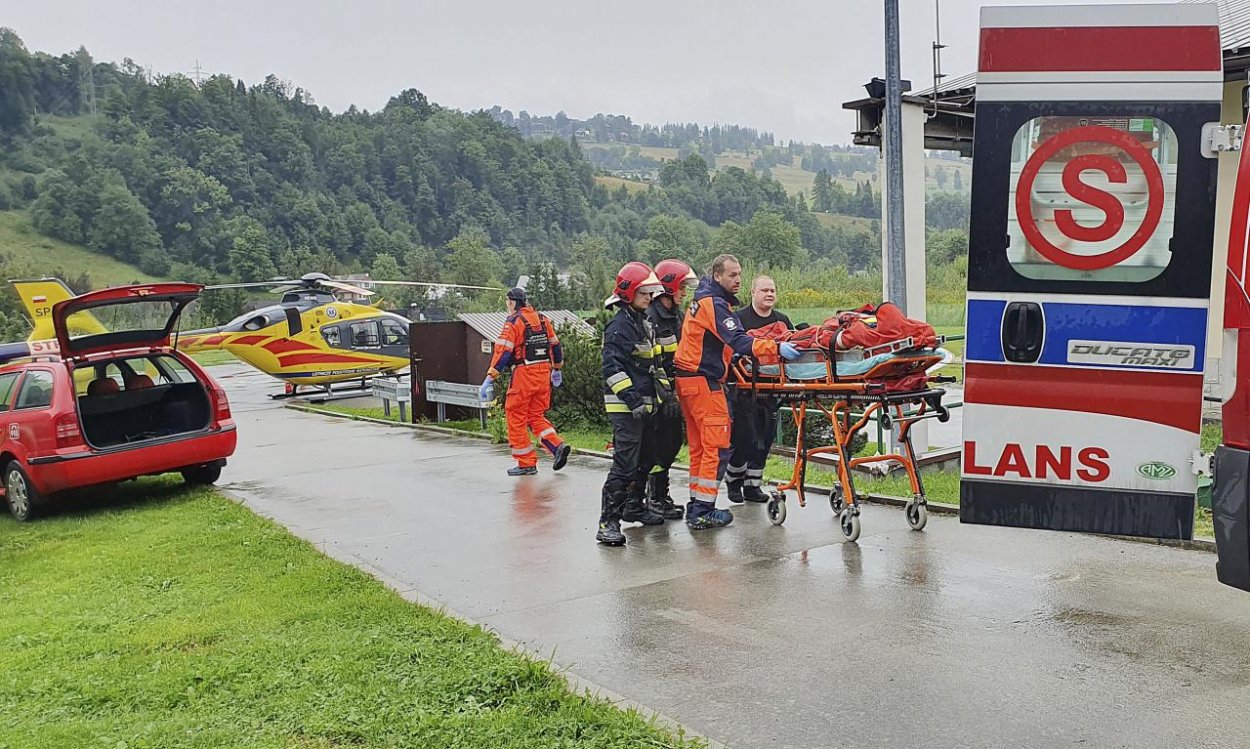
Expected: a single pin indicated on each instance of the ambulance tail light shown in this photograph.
(1234, 365)
(68, 433)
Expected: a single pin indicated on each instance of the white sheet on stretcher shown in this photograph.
(811, 365)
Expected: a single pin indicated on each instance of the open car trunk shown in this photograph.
(141, 399)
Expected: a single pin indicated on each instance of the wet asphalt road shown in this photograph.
(758, 636)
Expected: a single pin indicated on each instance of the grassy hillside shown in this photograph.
(613, 183)
(33, 254)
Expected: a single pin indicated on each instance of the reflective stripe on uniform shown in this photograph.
(669, 348)
(619, 382)
(645, 350)
(506, 344)
(526, 451)
(667, 340)
(547, 432)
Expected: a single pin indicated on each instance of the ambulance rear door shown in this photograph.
(1089, 266)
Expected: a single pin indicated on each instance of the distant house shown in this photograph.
(363, 280)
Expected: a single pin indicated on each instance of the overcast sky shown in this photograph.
(784, 66)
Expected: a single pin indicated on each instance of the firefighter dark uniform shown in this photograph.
(633, 386)
(711, 334)
(529, 344)
(667, 429)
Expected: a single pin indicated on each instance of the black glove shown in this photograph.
(641, 412)
(671, 408)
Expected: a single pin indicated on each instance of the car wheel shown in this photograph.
(20, 495)
(201, 475)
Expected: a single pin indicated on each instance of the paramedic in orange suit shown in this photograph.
(710, 336)
(529, 344)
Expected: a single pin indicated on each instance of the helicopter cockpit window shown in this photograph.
(394, 333)
(364, 334)
(331, 334)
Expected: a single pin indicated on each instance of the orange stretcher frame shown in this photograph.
(838, 397)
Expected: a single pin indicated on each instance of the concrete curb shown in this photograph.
(941, 508)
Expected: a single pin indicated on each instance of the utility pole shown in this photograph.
(896, 262)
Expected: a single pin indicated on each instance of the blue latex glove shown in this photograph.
(789, 351)
(487, 391)
(557, 378)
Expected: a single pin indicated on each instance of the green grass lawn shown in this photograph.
(40, 254)
(210, 358)
(165, 617)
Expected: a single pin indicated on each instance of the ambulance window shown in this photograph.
(1092, 198)
(331, 334)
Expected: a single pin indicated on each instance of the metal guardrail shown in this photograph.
(393, 390)
(444, 394)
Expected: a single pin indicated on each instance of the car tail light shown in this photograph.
(67, 432)
(223, 404)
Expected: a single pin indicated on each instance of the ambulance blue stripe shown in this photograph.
(1089, 322)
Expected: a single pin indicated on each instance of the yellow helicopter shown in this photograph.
(310, 339)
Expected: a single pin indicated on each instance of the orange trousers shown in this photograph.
(706, 413)
(525, 410)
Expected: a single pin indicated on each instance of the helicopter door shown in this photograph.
(364, 336)
(1089, 267)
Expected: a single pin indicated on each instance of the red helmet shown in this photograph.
(631, 279)
(674, 274)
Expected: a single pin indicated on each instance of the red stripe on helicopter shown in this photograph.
(1169, 398)
(295, 360)
(283, 345)
(1100, 48)
(248, 340)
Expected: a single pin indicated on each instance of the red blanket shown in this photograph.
(862, 328)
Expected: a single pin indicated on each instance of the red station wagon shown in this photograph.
(117, 402)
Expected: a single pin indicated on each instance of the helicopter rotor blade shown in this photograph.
(434, 284)
(342, 286)
(248, 285)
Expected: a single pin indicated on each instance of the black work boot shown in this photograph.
(610, 533)
(754, 494)
(735, 491)
(637, 511)
(661, 503)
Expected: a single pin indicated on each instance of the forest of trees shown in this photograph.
(220, 179)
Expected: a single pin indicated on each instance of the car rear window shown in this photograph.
(135, 372)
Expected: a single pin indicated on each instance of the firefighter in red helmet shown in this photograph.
(634, 384)
(529, 344)
(666, 432)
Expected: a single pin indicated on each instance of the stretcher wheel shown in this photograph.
(835, 500)
(886, 421)
(849, 520)
(917, 515)
(777, 510)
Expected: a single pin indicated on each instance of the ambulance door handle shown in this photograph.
(1022, 332)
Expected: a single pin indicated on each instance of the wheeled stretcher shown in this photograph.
(891, 382)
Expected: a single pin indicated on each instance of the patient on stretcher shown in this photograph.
(860, 340)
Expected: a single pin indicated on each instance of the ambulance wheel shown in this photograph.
(917, 515)
(777, 510)
(849, 520)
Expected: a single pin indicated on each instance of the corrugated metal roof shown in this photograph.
(490, 324)
(1234, 35)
